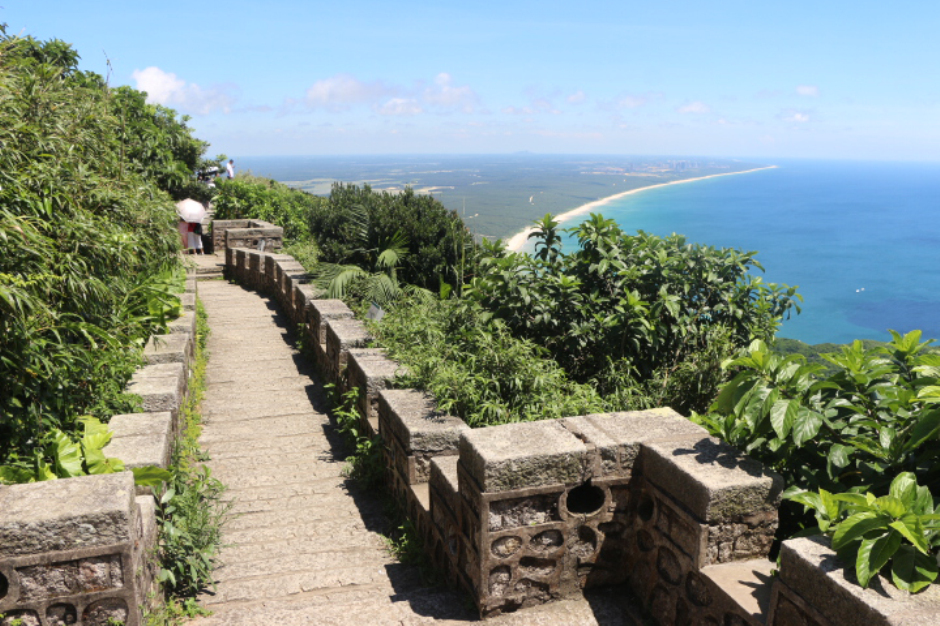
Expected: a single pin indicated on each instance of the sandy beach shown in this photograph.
(517, 241)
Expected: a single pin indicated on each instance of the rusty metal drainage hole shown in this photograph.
(585, 499)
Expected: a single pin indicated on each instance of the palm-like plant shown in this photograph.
(378, 270)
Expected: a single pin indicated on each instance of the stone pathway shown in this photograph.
(304, 546)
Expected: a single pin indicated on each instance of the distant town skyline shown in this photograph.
(727, 79)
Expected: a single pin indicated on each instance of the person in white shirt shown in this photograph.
(230, 168)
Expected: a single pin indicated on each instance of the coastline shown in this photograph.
(518, 241)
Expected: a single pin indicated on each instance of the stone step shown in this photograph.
(739, 588)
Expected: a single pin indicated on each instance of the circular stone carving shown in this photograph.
(61, 614)
(547, 541)
(23, 617)
(696, 590)
(646, 508)
(499, 580)
(101, 612)
(586, 545)
(645, 540)
(662, 605)
(668, 566)
(585, 499)
(506, 546)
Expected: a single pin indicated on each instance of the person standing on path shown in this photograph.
(230, 169)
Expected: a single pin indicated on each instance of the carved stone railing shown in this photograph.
(527, 513)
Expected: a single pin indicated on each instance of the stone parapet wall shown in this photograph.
(80, 550)
(522, 514)
(246, 234)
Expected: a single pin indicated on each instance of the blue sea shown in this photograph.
(861, 240)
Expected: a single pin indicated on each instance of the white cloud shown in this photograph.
(792, 115)
(808, 90)
(444, 94)
(168, 89)
(341, 91)
(400, 106)
(697, 108)
(576, 98)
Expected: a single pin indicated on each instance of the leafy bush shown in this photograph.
(639, 307)
(851, 445)
(252, 197)
(87, 237)
(877, 416)
(901, 527)
(475, 368)
(437, 238)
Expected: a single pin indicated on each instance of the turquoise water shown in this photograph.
(861, 240)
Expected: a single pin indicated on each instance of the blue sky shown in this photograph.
(815, 79)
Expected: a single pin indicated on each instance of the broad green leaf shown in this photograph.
(925, 429)
(904, 488)
(783, 414)
(911, 570)
(151, 476)
(857, 525)
(806, 426)
(912, 530)
(839, 455)
(67, 455)
(873, 554)
(891, 505)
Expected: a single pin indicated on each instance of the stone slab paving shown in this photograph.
(304, 545)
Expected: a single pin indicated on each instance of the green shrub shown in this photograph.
(87, 237)
(638, 305)
(475, 368)
(437, 238)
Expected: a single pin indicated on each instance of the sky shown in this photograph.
(833, 79)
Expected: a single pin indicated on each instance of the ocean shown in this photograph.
(860, 240)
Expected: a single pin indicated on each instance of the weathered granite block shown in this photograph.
(271, 274)
(256, 232)
(190, 285)
(370, 371)
(444, 486)
(254, 269)
(816, 587)
(303, 294)
(66, 514)
(411, 419)
(172, 348)
(524, 454)
(141, 439)
(185, 323)
(320, 311)
(188, 301)
(341, 336)
(617, 436)
(291, 273)
(161, 387)
(241, 265)
(712, 479)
